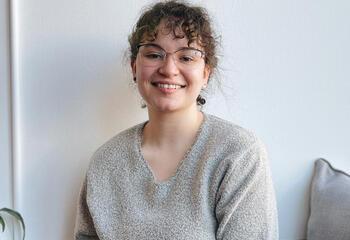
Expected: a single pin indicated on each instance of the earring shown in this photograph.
(142, 103)
(204, 86)
(134, 79)
(200, 100)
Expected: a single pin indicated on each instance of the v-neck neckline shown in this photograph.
(181, 164)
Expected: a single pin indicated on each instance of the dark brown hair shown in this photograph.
(194, 22)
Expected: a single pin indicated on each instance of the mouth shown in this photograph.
(168, 86)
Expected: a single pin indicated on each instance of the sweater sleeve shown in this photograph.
(84, 226)
(245, 201)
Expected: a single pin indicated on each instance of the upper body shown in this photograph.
(182, 174)
(222, 189)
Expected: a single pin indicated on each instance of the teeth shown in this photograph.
(173, 86)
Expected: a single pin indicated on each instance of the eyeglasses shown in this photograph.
(153, 55)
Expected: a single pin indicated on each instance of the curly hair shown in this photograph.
(194, 22)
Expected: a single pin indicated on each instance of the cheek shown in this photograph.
(144, 77)
(144, 74)
(195, 77)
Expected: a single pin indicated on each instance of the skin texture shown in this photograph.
(174, 118)
(194, 79)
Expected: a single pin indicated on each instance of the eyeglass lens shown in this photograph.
(153, 55)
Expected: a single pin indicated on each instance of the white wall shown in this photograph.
(285, 72)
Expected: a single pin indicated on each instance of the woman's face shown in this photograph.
(153, 81)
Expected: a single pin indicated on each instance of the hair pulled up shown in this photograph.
(193, 22)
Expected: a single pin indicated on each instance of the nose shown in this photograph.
(169, 67)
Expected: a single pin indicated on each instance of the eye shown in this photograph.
(154, 55)
(188, 56)
(186, 59)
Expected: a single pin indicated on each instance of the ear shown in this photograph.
(207, 72)
(133, 67)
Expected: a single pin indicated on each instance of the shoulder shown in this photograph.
(114, 150)
(238, 151)
(228, 133)
(233, 144)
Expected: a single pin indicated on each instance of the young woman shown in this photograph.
(183, 174)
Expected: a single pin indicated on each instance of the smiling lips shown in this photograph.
(167, 88)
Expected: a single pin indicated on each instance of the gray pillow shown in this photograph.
(329, 203)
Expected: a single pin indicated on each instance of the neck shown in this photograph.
(169, 129)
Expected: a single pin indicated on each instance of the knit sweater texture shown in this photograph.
(222, 189)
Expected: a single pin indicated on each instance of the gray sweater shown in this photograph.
(222, 189)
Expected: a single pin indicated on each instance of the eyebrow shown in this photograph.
(156, 45)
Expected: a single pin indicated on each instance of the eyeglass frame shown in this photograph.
(169, 53)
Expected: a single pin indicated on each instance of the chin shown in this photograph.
(166, 108)
(170, 105)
